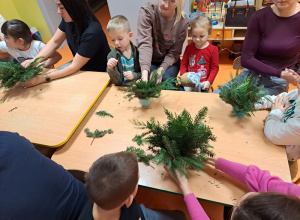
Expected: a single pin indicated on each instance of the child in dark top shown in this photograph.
(123, 62)
(112, 183)
(200, 59)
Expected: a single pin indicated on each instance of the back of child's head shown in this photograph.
(268, 206)
(18, 29)
(112, 179)
(202, 21)
(118, 22)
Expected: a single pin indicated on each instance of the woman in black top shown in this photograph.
(84, 36)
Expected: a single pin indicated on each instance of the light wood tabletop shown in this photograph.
(48, 114)
(241, 141)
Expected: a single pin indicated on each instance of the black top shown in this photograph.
(134, 212)
(34, 187)
(92, 44)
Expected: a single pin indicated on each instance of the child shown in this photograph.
(21, 44)
(282, 125)
(271, 198)
(112, 183)
(200, 60)
(123, 62)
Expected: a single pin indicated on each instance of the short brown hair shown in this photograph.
(202, 21)
(268, 206)
(111, 179)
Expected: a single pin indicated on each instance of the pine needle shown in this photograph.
(104, 114)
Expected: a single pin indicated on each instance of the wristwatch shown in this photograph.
(47, 78)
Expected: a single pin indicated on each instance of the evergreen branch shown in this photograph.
(141, 155)
(242, 95)
(181, 142)
(104, 114)
(150, 89)
(12, 73)
(97, 133)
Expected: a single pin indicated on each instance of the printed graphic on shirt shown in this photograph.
(290, 112)
(22, 59)
(201, 61)
(203, 73)
(192, 60)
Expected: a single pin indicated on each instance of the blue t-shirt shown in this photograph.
(34, 187)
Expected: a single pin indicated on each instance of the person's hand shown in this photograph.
(145, 75)
(159, 75)
(38, 79)
(279, 103)
(212, 161)
(111, 63)
(206, 85)
(26, 63)
(181, 181)
(129, 75)
(290, 76)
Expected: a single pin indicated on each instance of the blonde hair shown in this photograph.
(202, 21)
(179, 10)
(117, 22)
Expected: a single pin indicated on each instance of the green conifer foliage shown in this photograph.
(12, 73)
(144, 90)
(242, 96)
(104, 114)
(97, 133)
(181, 142)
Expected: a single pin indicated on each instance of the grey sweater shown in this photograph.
(159, 41)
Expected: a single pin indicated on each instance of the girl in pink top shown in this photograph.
(270, 198)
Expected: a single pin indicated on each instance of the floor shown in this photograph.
(157, 199)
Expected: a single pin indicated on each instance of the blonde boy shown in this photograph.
(123, 62)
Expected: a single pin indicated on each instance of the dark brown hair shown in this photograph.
(268, 206)
(18, 29)
(112, 179)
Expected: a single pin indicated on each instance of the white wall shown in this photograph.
(130, 9)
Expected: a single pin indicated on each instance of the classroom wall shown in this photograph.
(27, 11)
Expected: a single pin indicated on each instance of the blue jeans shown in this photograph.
(272, 84)
(150, 214)
(172, 71)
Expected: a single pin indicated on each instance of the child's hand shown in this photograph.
(206, 85)
(26, 63)
(129, 75)
(279, 103)
(181, 181)
(111, 63)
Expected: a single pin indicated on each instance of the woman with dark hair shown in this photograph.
(270, 198)
(84, 36)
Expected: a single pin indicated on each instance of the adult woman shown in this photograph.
(85, 38)
(272, 46)
(270, 197)
(162, 29)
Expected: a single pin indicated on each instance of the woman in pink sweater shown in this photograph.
(270, 198)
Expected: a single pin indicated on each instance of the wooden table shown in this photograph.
(237, 140)
(49, 113)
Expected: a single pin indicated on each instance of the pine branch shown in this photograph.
(141, 154)
(104, 114)
(97, 133)
(12, 73)
(242, 96)
(181, 142)
(150, 89)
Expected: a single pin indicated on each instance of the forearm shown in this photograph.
(115, 76)
(53, 59)
(194, 207)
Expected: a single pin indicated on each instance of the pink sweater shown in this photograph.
(256, 179)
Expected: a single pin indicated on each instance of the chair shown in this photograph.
(237, 65)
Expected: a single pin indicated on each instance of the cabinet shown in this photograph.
(230, 33)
